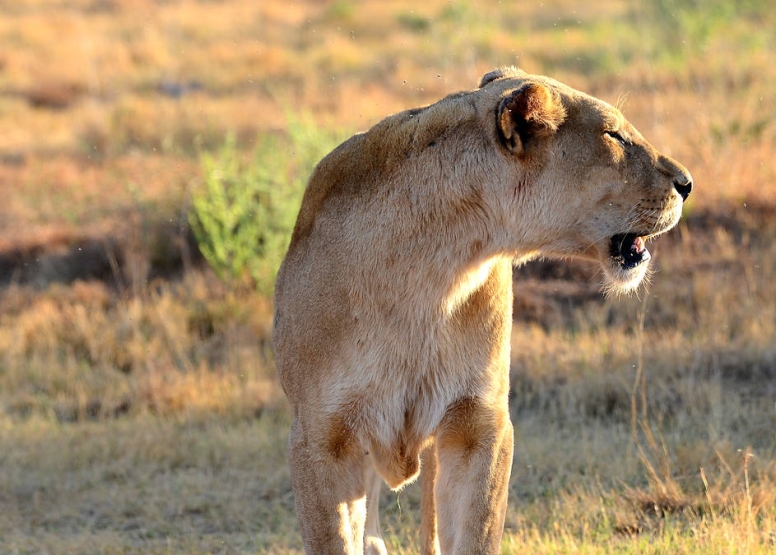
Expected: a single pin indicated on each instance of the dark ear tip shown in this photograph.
(510, 71)
(491, 76)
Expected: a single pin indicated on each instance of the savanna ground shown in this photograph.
(139, 408)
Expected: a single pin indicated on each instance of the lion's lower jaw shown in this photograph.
(619, 280)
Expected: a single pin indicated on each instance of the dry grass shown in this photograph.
(139, 409)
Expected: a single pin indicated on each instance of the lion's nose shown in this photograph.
(683, 185)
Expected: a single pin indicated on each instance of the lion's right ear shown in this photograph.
(528, 113)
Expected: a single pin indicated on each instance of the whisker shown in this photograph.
(640, 219)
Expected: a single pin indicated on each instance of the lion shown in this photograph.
(393, 305)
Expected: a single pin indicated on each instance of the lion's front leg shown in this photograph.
(474, 447)
(429, 539)
(373, 541)
(330, 493)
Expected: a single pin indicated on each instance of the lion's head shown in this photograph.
(599, 190)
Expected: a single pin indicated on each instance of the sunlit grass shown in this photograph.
(80, 354)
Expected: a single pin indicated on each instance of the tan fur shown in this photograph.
(393, 304)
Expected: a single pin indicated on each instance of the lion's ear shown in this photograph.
(527, 113)
(491, 76)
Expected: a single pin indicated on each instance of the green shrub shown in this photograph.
(243, 213)
(684, 26)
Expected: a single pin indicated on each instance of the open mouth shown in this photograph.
(628, 250)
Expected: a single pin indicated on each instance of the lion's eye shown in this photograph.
(617, 137)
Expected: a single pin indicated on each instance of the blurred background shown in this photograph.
(153, 154)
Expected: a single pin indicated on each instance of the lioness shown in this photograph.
(393, 306)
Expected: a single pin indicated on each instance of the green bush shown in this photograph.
(683, 26)
(243, 213)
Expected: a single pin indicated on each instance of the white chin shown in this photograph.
(619, 280)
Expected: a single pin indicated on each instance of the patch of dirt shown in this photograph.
(548, 291)
(117, 259)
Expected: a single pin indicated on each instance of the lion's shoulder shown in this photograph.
(365, 163)
(340, 169)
